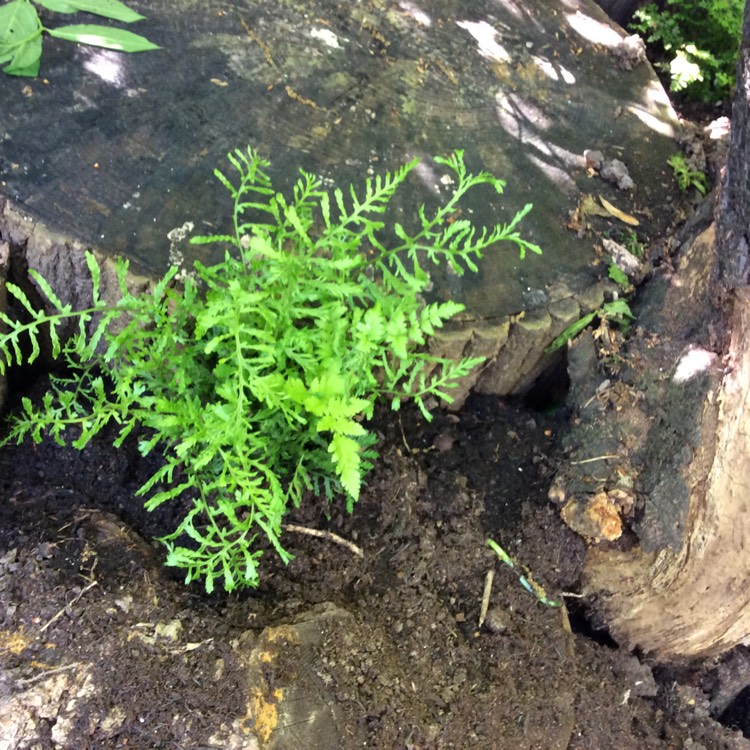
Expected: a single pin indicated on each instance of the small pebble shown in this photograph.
(495, 621)
(444, 442)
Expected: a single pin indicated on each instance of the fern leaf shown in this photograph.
(47, 290)
(96, 275)
(213, 239)
(345, 453)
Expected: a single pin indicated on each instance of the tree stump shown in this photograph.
(117, 151)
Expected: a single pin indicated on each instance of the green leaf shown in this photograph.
(572, 331)
(618, 307)
(46, 289)
(619, 276)
(104, 36)
(20, 38)
(18, 22)
(6, 54)
(26, 59)
(96, 275)
(113, 9)
(345, 453)
(58, 6)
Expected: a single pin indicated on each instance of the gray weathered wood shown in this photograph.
(117, 151)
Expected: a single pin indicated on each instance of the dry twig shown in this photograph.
(329, 535)
(57, 616)
(489, 578)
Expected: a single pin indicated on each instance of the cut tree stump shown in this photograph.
(117, 151)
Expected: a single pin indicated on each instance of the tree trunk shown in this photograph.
(679, 586)
(733, 212)
(695, 601)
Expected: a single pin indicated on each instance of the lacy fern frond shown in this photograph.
(254, 380)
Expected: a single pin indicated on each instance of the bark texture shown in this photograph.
(677, 583)
(695, 601)
(733, 215)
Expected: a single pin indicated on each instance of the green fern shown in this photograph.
(252, 380)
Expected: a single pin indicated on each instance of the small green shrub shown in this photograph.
(701, 39)
(21, 31)
(253, 379)
(633, 244)
(685, 176)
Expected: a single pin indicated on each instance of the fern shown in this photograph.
(253, 380)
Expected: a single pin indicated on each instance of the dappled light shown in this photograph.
(513, 110)
(524, 121)
(656, 95)
(661, 126)
(592, 30)
(554, 72)
(426, 173)
(556, 175)
(326, 36)
(486, 37)
(415, 12)
(694, 362)
(106, 64)
(654, 111)
(511, 6)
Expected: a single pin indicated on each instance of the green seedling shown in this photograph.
(686, 177)
(21, 31)
(633, 244)
(618, 311)
(524, 576)
(254, 378)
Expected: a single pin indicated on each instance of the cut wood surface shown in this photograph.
(117, 151)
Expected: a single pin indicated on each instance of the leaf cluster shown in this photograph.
(21, 31)
(685, 176)
(254, 378)
(701, 41)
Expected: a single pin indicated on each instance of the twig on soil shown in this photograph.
(57, 616)
(329, 535)
(48, 673)
(595, 458)
(570, 645)
(403, 436)
(524, 576)
(600, 391)
(490, 577)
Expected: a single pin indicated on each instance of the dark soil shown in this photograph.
(102, 647)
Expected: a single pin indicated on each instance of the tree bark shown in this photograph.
(695, 601)
(677, 583)
(733, 211)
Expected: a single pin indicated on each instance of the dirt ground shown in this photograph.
(102, 647)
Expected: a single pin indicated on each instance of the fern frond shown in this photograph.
(255, 382)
